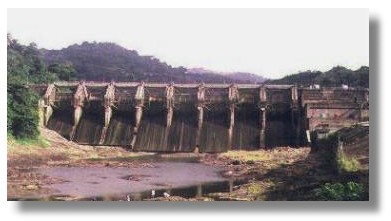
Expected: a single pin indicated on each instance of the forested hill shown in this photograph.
(109, 61)
(332, 78)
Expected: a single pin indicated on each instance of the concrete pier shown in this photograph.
(285, 111)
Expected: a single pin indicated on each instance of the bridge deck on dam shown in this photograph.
(186, 117)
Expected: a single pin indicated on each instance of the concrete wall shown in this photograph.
(183, 117)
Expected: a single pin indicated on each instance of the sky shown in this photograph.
(268, 42)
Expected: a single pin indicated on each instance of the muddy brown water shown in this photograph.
(185, 179)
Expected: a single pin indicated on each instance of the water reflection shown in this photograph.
(194, 191)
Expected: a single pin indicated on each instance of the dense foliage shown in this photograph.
(65, 71)
(332, 78)
(25, 66)
(108, 61)
(22, 115)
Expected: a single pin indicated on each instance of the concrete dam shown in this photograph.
(196, 117)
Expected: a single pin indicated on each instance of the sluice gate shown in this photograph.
(189, 117)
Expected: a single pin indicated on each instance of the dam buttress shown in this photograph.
(206, 117)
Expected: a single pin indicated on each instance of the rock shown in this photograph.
(235, 162)
(196, 150)
(166, 195)
(32, 187)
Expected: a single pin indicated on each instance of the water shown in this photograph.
(177, 177)
(193, 191)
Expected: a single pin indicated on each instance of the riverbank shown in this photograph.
(24, 159)
(39, 172)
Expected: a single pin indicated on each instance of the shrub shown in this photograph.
(346, 164)
(22, 114)
(254, 189)
(350, 191)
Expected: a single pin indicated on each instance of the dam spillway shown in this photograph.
(206, 117)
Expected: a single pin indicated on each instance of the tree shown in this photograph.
(335, 77)
(22, 114)
(24, 66)
(64, 71)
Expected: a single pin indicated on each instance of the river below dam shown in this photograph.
(183, 179)
(72, 172)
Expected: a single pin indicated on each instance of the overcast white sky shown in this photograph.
(269, 42)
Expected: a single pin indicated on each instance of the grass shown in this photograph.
(347, 164)
(51, 149)
(40, 149)
(257, 190)
(39, 141)
(254, 189)
(278, 156)
(27, 143)
(247, 156)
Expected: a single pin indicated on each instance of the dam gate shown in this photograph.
(183, 117)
